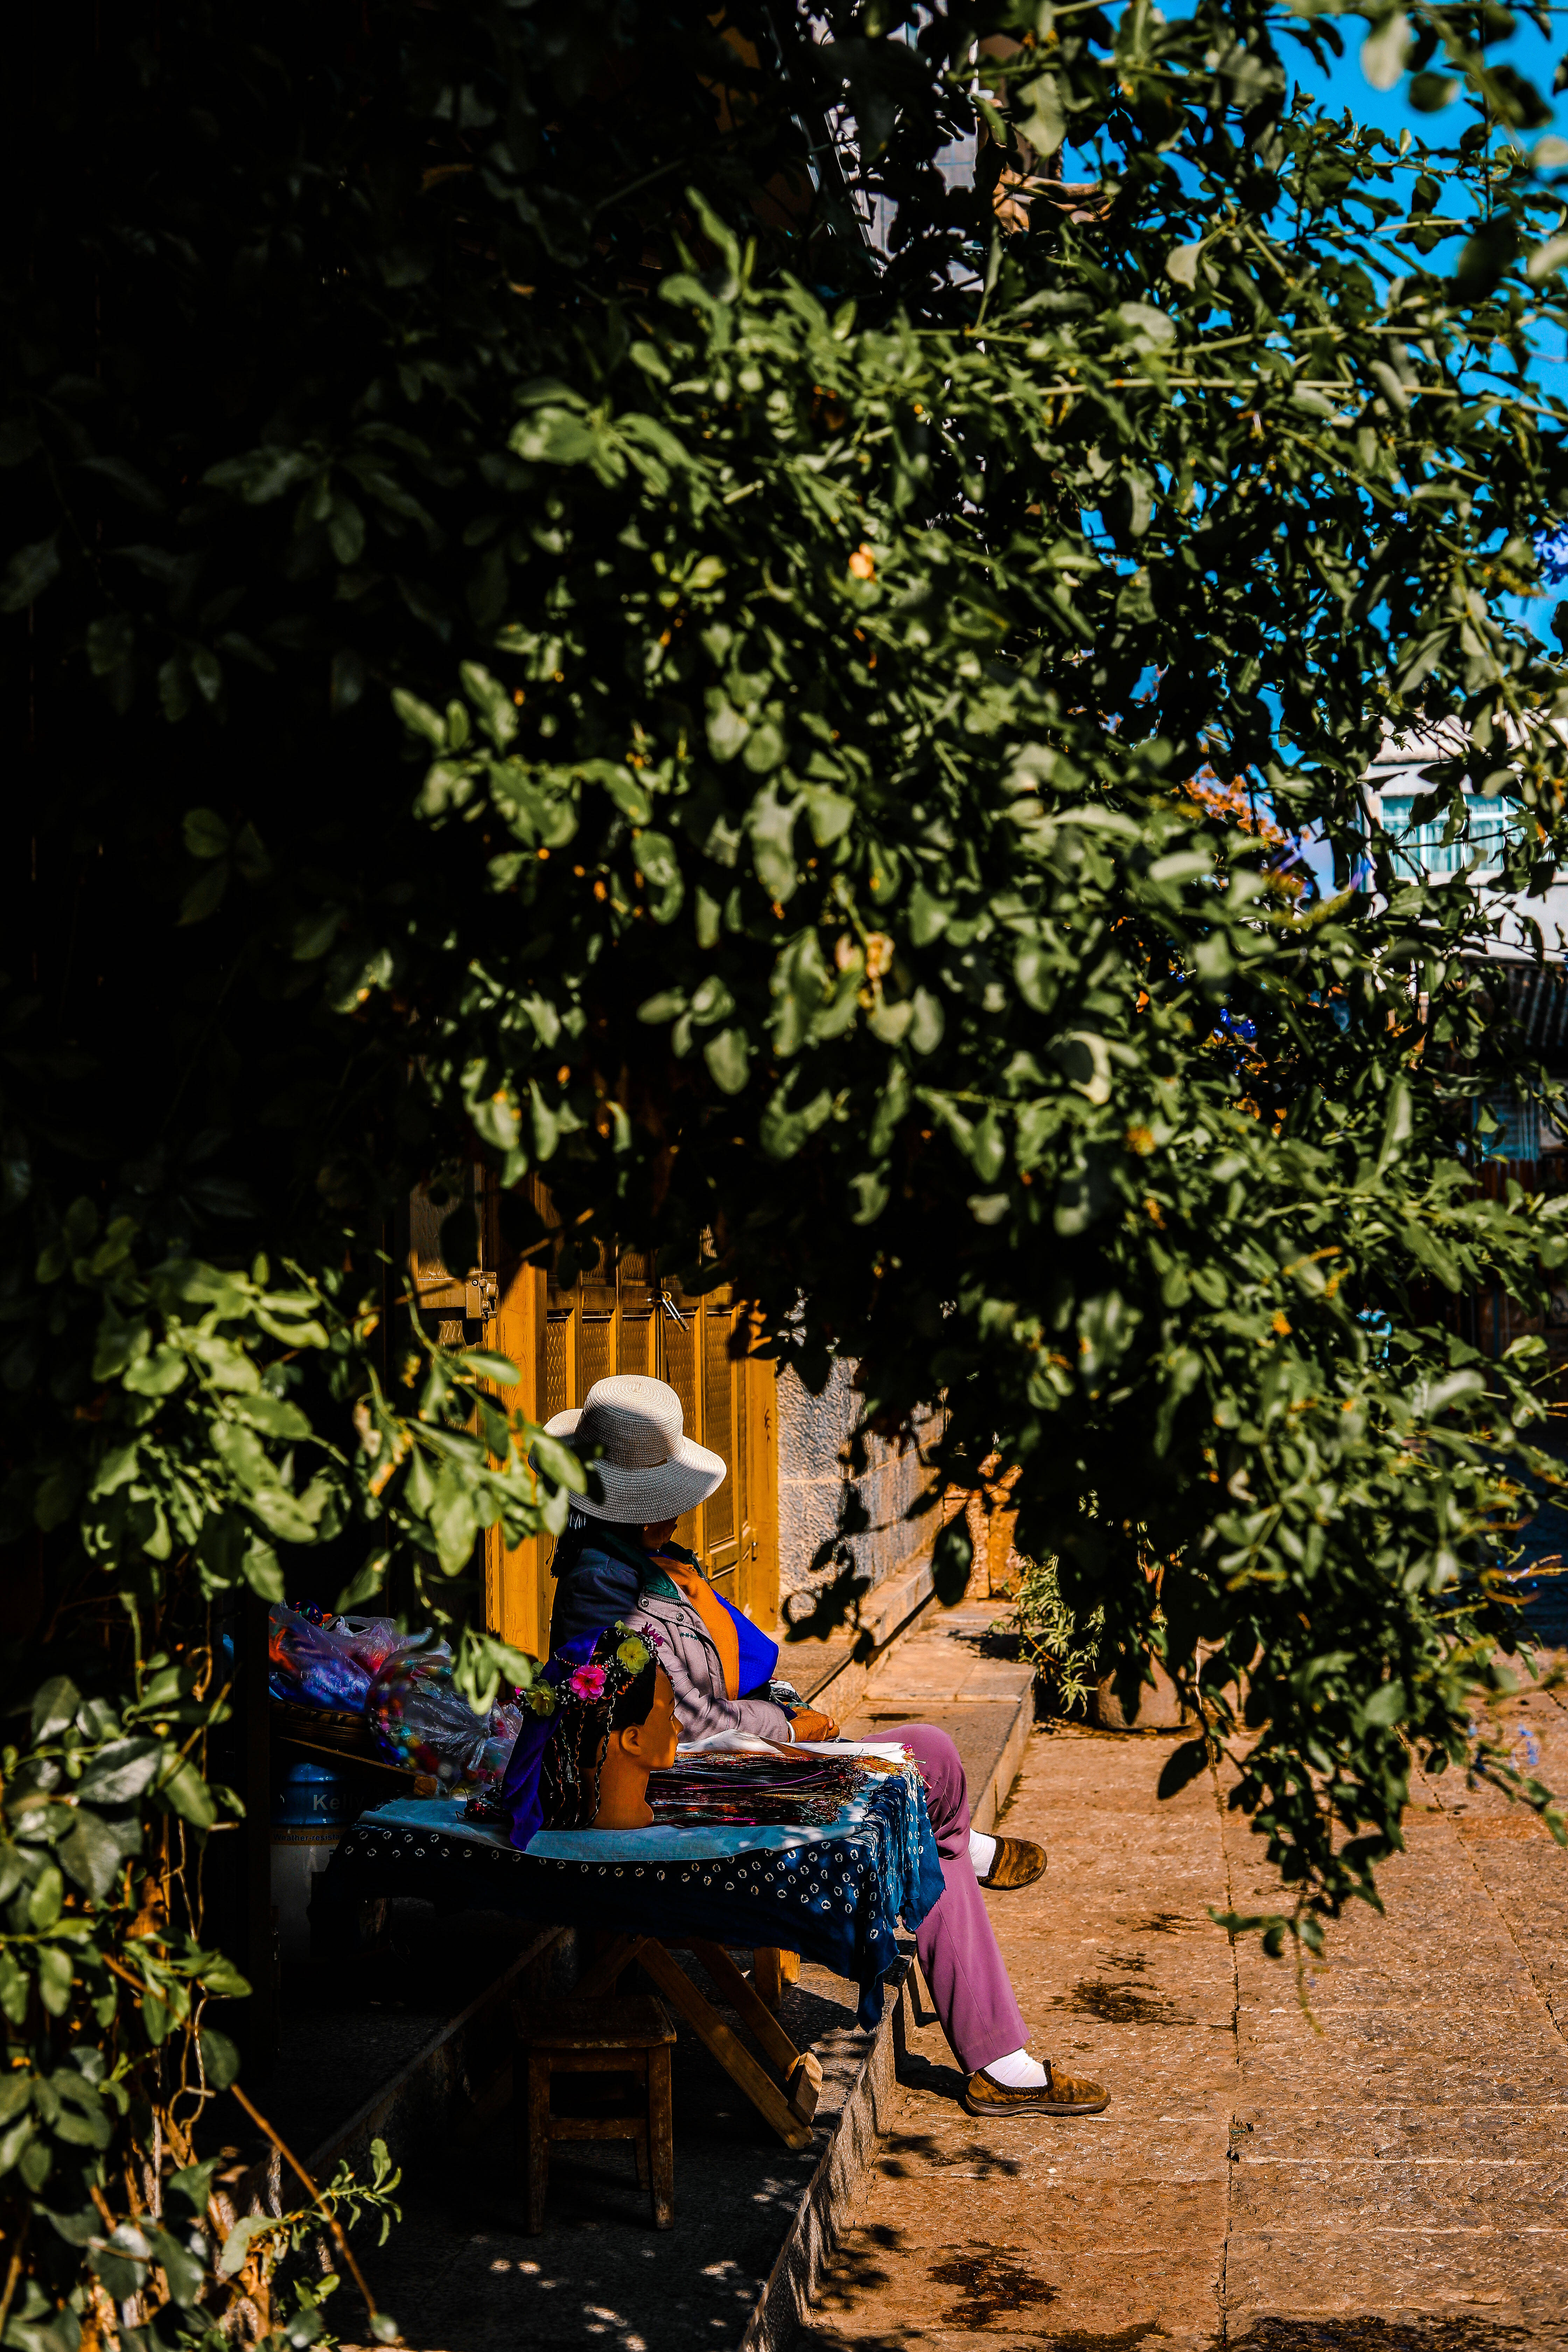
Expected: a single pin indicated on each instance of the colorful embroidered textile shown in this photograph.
(753, 1791)
(833, 1894)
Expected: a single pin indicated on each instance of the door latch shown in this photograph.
(481, 1295)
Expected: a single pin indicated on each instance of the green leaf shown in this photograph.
(1387, 1706)
(486, 1365)
(1385, 49)
(273, 1415)
(557, 1461)
(120, 1771)
(419, 719)
(195, 2184)
(220, 2059)
(222, 1979)
(91, 1852)
(186, 2277)
(186, 1793)
(263, 1569)
(159, 1374)
(207, 835)
(494, 705)
(1484, 257)
(206, 894)
(236, 2245)
(55, 1704)
(1040, 114)
(54, 1965)
(1547, 259)
(453, 1523)
(29, 572)
(13, 1993)
(728, 1057)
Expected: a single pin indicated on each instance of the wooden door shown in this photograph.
(622, 1318)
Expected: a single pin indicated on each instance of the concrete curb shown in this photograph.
(984, 1811)
(864, 2118)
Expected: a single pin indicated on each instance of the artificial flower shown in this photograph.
(588, 1682)
(634, 1655)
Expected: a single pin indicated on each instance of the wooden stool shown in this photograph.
(598, 2037)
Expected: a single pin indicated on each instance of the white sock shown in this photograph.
(1016, 2072)
(981, 1851)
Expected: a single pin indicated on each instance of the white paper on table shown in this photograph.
(748, 1743)
(893, 1750)
(729, 1743)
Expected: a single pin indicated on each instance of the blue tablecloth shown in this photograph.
(833, 1895)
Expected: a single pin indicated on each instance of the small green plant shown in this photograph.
(1047, 1633)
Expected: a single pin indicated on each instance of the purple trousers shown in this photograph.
(957, 1945)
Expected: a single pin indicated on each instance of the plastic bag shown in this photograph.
(421, 1717)
(313, 1664)
(401, 1681)
(317, 1660)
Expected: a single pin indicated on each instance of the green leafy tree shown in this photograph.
(527, 638)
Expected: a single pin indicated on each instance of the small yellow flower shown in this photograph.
(634, 1655)
(1140, 1140)
(1282, 1324)
(863, 563)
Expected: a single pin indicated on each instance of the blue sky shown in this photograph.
(1528, 51)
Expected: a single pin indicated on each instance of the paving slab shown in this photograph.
(1385, 2169)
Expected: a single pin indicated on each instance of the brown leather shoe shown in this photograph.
(1017, 1862)
(1064, 2095)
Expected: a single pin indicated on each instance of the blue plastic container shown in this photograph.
(311, 1808)
(311, 1796)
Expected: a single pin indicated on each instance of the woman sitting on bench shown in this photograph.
(616, 1562)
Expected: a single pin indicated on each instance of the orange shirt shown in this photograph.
(716, 1619)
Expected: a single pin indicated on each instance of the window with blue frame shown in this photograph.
(1422, 848)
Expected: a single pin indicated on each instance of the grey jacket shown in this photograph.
(687, 1654)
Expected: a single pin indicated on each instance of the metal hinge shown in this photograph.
(481, 1295)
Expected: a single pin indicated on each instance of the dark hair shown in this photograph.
(580, 1738)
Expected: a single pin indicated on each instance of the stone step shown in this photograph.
(831, 1671)
(938, 1672)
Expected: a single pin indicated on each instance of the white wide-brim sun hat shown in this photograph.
(646, 1466)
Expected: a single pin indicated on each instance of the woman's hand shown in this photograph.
(809, 1724)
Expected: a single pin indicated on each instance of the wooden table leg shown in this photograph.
(801, 2070)
(660, 2139)
(772, 1970)
(729, 2051)
(745, 2000)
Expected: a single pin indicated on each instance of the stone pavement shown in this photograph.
(1390, 2173)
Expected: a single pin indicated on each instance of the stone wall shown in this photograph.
(818, 1539)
